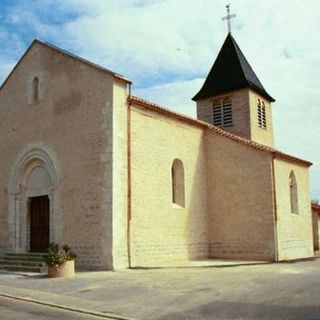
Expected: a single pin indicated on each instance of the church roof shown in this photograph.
(231, 71)
(192, 121)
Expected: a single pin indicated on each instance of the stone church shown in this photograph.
(128, 183)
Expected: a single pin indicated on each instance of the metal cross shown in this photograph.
(228, 17)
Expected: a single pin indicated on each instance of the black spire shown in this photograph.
(231, 71)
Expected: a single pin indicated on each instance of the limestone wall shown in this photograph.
(160, 230)
(72, 122)
(120, 176)
(294, 231)
(240, 201)
(260, 135)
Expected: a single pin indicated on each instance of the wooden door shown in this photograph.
(39, 223)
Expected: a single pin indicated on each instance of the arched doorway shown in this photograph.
(32, 212)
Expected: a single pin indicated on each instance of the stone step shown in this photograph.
(23, 268)
(27, 254)
(22, 258)
(22, 263)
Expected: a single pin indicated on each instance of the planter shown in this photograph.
(63, 270)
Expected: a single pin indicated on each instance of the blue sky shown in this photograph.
(166, 47)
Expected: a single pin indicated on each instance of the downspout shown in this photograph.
(275, 214)
(129, 178)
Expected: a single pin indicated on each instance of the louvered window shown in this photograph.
(222, 113)
(217, 114)
(262, 119)
(227, 113)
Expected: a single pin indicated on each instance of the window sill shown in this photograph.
(177, 206)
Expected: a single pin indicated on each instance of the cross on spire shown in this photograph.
(228, 17)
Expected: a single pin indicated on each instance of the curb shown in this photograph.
(59, 306)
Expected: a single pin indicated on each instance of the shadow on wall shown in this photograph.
(196, 209)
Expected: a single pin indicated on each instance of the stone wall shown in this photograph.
(244, 113)
(294, 231)
(120, 177)
(260, 135)
(240, 111)
(162, 231)
(240, 199)
(72, 123)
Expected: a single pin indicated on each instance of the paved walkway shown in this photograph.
(206, 263)
(257, 291)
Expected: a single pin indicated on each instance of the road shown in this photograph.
(289, 291)
(11, 309)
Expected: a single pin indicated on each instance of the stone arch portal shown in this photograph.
(34, 176)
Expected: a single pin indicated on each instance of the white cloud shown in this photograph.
(167, 46)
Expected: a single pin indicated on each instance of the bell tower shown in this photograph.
(233, 98)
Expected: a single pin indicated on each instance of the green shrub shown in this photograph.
(56, 256)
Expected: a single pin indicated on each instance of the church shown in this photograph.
(128, 183)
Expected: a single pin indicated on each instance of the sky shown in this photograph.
(167, 47)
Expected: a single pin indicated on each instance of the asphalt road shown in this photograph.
(11, 309)
(289, 291)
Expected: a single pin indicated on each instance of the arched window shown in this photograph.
(177, 176)
(35, 89)
(293, 193)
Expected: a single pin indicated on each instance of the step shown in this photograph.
(22, 263)
(22, 258)
(26, 254)
(23, 268)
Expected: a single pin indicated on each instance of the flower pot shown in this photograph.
(63, 270)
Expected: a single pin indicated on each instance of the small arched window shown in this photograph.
(178, 189)
(293, 193)
(35, 89)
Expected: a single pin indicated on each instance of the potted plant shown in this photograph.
(60, 261)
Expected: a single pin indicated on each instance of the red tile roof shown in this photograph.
(187, 119)
(315, 207)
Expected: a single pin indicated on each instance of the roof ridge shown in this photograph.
(72, 55)
(66, 53)
(239, 52)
